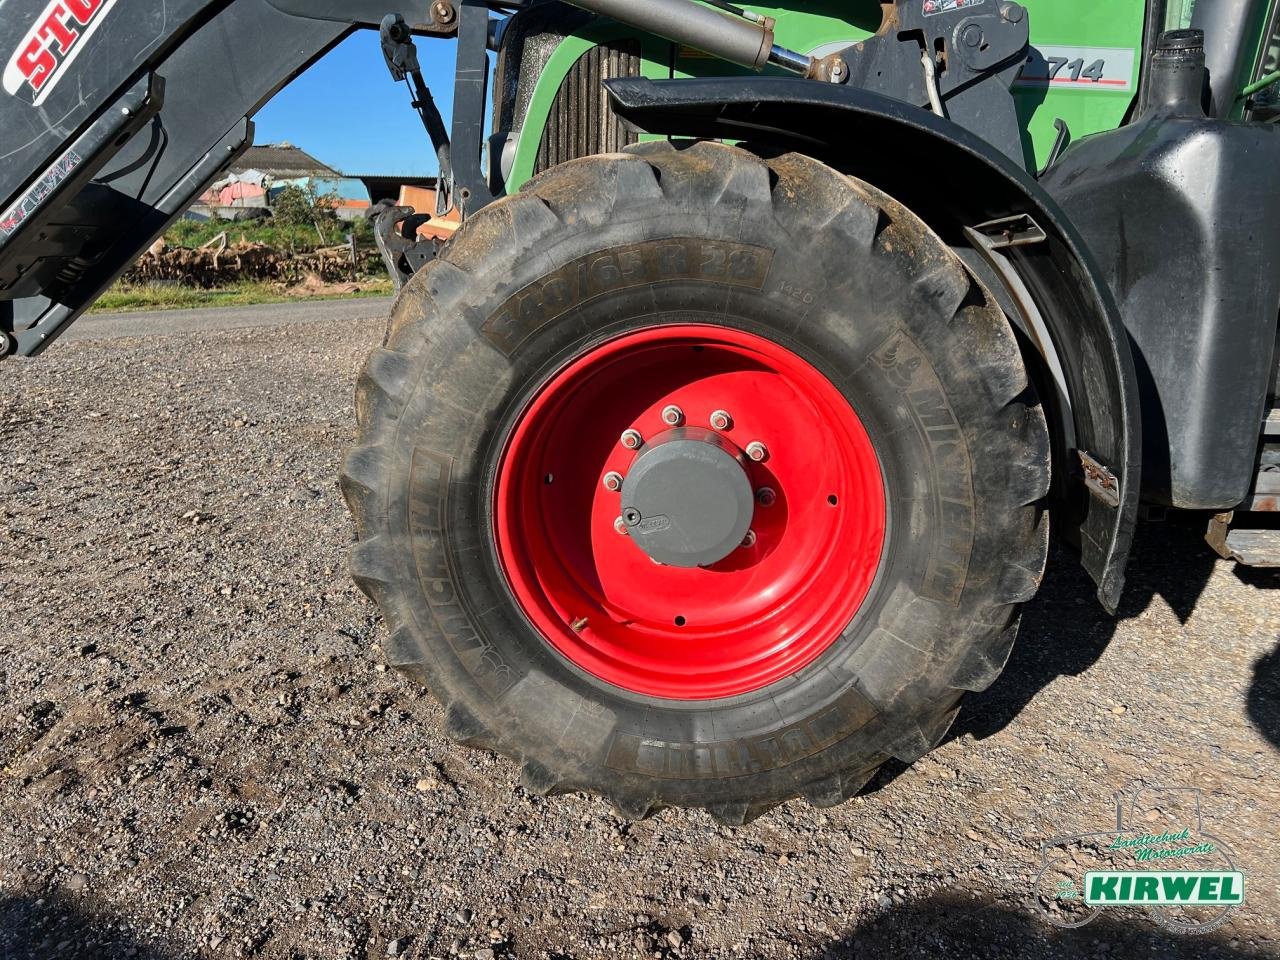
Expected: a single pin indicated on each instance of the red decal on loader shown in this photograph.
(56, 39)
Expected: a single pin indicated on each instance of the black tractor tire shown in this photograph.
(861, 288)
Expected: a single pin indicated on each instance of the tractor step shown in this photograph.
(1271, 423)
(1264, 495)
(1255, 545)
(1254, 548)
(1251, 546)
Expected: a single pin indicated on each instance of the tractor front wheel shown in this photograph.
(691, 478)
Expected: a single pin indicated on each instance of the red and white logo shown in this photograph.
(56, 39)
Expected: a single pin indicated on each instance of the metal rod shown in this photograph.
(1260, 84)
(790, 60)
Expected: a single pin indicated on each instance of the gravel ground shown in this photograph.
(200, 755)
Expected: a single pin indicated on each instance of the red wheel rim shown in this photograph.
(765, 611)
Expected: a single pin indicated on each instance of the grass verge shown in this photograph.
(173, 297)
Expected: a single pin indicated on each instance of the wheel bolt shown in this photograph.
(672, 416)
(620, 526)
(720, 420)
(757, 451)
(631, 439)
(613, 480)
(750, 539)
(766, 497)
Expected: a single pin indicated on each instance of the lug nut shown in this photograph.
(766, 497)
(672, 416)
(620, 525)
(631, 439)
(757, 451)
(750, 539)
(613, 481)
(720, 420)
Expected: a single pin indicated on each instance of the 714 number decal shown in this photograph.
(1078, 68)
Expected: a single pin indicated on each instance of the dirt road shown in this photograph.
(169, 323)
(201, 757)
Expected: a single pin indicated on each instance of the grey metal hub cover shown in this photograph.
(687, 500)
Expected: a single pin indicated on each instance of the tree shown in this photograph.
(304, 204)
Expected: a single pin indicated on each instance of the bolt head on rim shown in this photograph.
(708, 572)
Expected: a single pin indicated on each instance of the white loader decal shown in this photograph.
(50, 46)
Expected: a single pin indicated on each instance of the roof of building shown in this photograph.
(412, 180)
(283, 161)
(382, 187)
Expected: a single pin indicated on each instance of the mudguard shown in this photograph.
(957, 181)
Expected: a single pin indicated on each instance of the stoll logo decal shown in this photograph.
(1158, 857)
(56, 38)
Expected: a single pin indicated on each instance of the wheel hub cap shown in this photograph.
(686, 500)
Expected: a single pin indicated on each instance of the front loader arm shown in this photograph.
(116, 116)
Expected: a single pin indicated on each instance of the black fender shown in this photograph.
(957, 182)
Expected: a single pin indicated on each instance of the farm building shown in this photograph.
(262, 172)
(257, 177)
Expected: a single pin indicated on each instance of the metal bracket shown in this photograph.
(963, 46)
(1024, 313)
(1216, 534)
(469, 187)
(1060, 143)
(395, 229)
(1100, 481)
(1019, 230)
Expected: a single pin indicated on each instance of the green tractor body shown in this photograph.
(1085, 71)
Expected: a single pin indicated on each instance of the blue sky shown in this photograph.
(346, 110)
